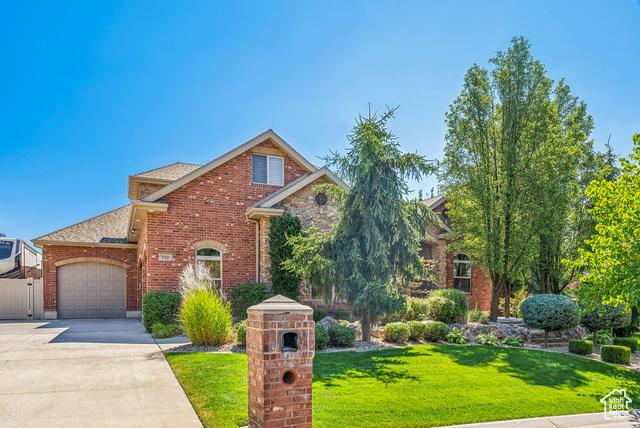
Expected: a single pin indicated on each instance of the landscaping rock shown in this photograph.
(358, 328)
(328, 322)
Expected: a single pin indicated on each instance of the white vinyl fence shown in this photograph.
(21, 299)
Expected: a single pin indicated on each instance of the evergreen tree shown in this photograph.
(373, 250)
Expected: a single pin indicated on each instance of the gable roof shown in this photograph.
(109, 229)
(300, 183)
(434, 201)
(169, 172)
(268, 135)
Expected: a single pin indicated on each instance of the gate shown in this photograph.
(21, 299)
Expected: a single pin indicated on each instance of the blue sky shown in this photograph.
(91, 92)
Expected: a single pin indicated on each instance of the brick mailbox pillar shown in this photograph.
(280, 349)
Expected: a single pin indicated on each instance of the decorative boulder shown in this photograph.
(328, 322)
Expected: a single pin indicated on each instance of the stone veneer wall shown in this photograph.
(301, 204)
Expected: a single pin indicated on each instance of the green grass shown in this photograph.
(419, 386)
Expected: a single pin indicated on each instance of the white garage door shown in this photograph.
(91, 290)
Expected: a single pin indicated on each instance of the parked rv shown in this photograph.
(18, 260)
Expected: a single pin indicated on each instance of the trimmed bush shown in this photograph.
(629, 342)
(487, 339)
(435, 331)
(241, 333)
(319, 315)
(161, 331)
(341, 336)
(477, 316)
(396, 332)
(322, 337)
(605, 317)
(441, 309)
(458, 298)
(343, 315)
(550, 312)
(159, 307)
(417, 330)
(206, 318)
(615, 354)
(245, 295)
(581, 347)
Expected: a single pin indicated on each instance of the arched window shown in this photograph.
(212, 260)
(462, 273)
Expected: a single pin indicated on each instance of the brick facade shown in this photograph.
(212, 207)
(54, 256)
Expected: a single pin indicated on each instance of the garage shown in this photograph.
(91, 290)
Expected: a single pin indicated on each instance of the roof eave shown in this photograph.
(41, 243)
(139, 210)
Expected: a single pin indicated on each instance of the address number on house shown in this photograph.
(165, 257)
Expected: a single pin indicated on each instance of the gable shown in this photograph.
(269, 136)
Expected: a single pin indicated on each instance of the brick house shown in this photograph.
(217, 214)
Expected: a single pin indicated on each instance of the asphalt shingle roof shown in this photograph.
(107, 228)
(169, 172)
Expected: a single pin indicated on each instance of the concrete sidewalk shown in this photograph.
(87, 373)
(586, 420)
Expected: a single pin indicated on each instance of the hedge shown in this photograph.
(245, 295)
(341, 336)
(458, 298)
(416, 330)
(581, 347)
(615, 354)
(435, 331)
(159, 307)
(441, 309)
(396, 332)
(629, 342)
(322, 337)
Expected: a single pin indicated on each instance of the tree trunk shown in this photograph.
(507, 303)
(546, 339)
(595, 336)
(366, 327)
(495, 302)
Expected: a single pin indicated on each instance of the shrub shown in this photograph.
(319, 315)
(435, 331)
(604, 317)
(633, 326)
(581, 347)
(343, 315)
(550, 312)
(417, 330)
(245, 295)
(159, 307)
(396, 332)
(454, 336)
(629, 342)
(206, 318)
(604, 337)
(513, 341)
(477, 316)
(161, 331)
(285, 282)
(615, 354)
(413, 309)
(458, 298)
(441, 309)
(241, 333)
(322, 337)
(341, 336)
(487, 339)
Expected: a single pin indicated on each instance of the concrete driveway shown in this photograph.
(87, 373)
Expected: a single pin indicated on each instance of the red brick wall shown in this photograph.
(52, 254)
(212, 207)
(480, 295)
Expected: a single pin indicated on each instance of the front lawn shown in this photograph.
(419, 386)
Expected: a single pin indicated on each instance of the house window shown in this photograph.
(212, 260)
(462, 273)
(268, 170)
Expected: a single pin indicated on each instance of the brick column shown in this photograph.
(280, 350)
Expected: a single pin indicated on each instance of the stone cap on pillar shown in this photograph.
(279, 305)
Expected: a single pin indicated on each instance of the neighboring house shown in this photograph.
(217, 214)
(453, 269)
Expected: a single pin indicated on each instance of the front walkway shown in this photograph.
(87, 373)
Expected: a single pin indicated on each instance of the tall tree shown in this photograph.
(373, 250)
(509, 163)
(611, 263)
